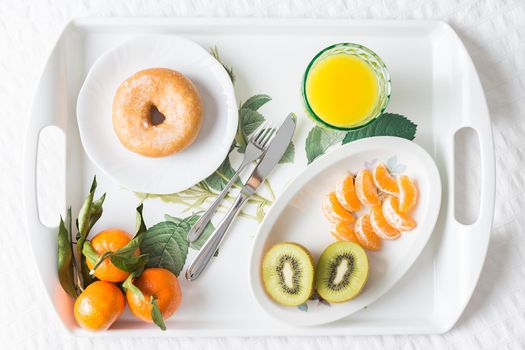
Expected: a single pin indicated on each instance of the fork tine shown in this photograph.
(258, 133)
(268, 136)
(267, 131)
(263, 133)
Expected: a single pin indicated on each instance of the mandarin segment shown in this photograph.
(380, 225)
(407, 193)
(365, 234)
(334, 211)
(384, 181)
(342, 231)
(345, 192)
(365, 188)
(394, 217)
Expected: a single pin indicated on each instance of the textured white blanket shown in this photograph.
(494, 33)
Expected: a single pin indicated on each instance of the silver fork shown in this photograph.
(254, 150)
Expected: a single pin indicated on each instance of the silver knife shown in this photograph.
(273, 155)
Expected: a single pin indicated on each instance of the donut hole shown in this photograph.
(155, 116)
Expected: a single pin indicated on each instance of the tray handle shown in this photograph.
(476, 249)
(49, 109)
(31, 154)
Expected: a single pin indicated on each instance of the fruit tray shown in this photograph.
(434, 84)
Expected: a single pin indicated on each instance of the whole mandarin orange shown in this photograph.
(161, 284)
(99, 306)
(110, 240)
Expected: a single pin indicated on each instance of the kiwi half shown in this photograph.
(288, 273)
(342, 271)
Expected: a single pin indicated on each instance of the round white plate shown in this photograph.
(167, 174)
(296, 216)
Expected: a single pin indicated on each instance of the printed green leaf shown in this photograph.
(259, 212)
(168, 217)
(221, 176)
(191, 220)
(289, 154)
(66, 272)
(250, 120)
(255, 102)
(388, 124)
(215, 53)
(319, 140)
(166, 245)
(156, 315)
(208, 230)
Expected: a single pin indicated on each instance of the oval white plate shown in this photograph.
(296, 216)
(167, 174)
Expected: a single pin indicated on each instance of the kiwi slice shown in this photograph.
(342, 271)
(288, 273)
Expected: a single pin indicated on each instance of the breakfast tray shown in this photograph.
(434, 84)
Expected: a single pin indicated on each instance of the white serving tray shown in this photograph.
(434, 83)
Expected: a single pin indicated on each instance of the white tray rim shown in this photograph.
(155, 23)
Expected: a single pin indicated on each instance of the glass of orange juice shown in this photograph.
(345, 87)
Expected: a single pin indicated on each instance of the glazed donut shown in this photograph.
(157, 112)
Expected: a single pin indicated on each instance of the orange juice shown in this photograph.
(342, 90)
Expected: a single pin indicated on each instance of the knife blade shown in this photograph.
(273, 155)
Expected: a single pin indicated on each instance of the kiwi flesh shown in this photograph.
(342, 271)
(288, 273)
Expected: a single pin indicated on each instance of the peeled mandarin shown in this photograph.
(334, 211)
(365, 189)
(342, 231)
(345, 193)
(380, 225)
(384, 181)
(407, 193)
(394, 217)
(365, 234)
